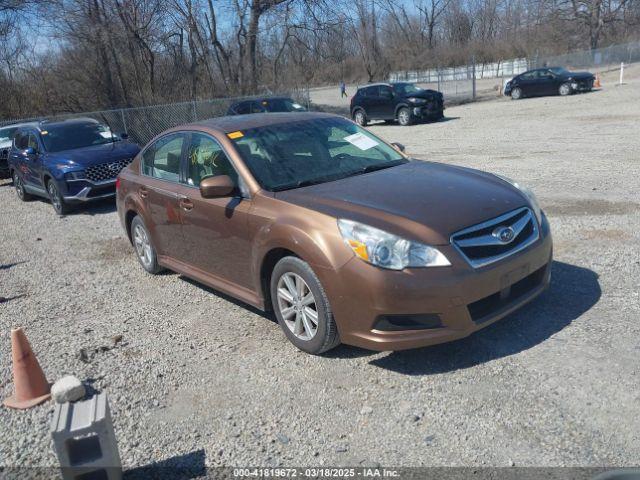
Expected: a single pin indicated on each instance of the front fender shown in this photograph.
(315, 239)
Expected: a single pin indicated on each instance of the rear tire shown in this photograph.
(20, 190)
(302, 307)
(145, 251)
(404, 117)
(565, 89)
(516, 93)
(360, 117)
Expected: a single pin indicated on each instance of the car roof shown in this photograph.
(260, 99)
(378, 84)
(234, 123)
(45, 124)
(20, 125)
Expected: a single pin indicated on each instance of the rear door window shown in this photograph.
(162, 158)
(242, 108)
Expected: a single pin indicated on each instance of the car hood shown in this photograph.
(426, 94)
(419, 200)
(96, 154)
(579, 75)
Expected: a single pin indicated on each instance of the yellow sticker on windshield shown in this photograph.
(234, 135)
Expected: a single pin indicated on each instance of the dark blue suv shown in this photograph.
(68, 162)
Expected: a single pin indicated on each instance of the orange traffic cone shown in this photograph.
(597, 82)
(30, 386)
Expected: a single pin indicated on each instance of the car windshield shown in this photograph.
(283, 105)
(559, 70)
(407, 88)
(76, 135)
(296, 154)
(6, 134)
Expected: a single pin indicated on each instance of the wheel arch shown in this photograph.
(399, 106)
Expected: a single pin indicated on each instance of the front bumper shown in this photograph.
(86, 191)
(582, 85)
(462, 299)
(431, 111)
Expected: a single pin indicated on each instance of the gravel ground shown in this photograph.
(199, 378)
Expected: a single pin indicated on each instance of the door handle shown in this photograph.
(143, 192)
(186, 204)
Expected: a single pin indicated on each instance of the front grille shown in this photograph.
(486, 308)
(106, 171)
(498, 238)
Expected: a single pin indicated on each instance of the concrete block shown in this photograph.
(84, 440)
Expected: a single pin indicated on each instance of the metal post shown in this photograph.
(193, 106)
(473, 75)
(621, 72)
(124, 121)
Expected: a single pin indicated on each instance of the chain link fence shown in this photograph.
(144, 123)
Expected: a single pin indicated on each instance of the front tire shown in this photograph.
(565, 89)
(302, 307)
(20, 190)
(404, 117)
(56, 199)
(360, 117)
(516, 93)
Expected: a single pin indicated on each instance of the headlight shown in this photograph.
(535, 206)
(386, 250)
(79, 175)
(416, 100)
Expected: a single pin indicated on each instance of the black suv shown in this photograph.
(265, 105)
(404, 102)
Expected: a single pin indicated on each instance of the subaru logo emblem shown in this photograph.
(504, 234)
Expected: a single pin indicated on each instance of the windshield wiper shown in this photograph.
(373, 168)
(301, 183)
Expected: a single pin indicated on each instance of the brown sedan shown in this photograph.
(341, 234)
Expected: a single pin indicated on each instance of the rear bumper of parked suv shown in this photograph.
(382, 309)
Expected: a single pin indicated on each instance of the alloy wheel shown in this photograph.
(297, 306)
(54, 196)
(359, 117)
(17, 183)
(516, 94)
(143, 246)
(565, 89)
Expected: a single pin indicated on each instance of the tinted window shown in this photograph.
(207, 159)
(21, 141)
(406, 88)
(257, 107)
(162, 159)
(289, 155)
(386, 92)
(6, 134)
(283, 105)
(32, 142)
(58, 138)
(242, 108)
(528, 75)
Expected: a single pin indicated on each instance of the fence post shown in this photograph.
(193, 106)
(438, 72)
(473, 76)
(124, 121)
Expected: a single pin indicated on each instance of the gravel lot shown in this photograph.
(198, 377)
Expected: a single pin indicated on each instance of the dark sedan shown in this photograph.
(265, 105)
(548, 81)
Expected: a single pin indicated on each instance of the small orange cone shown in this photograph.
(30, 386)
(597, 82)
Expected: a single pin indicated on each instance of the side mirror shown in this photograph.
(124, 136)
(398, 146)
(218, 186)
(29, 151)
